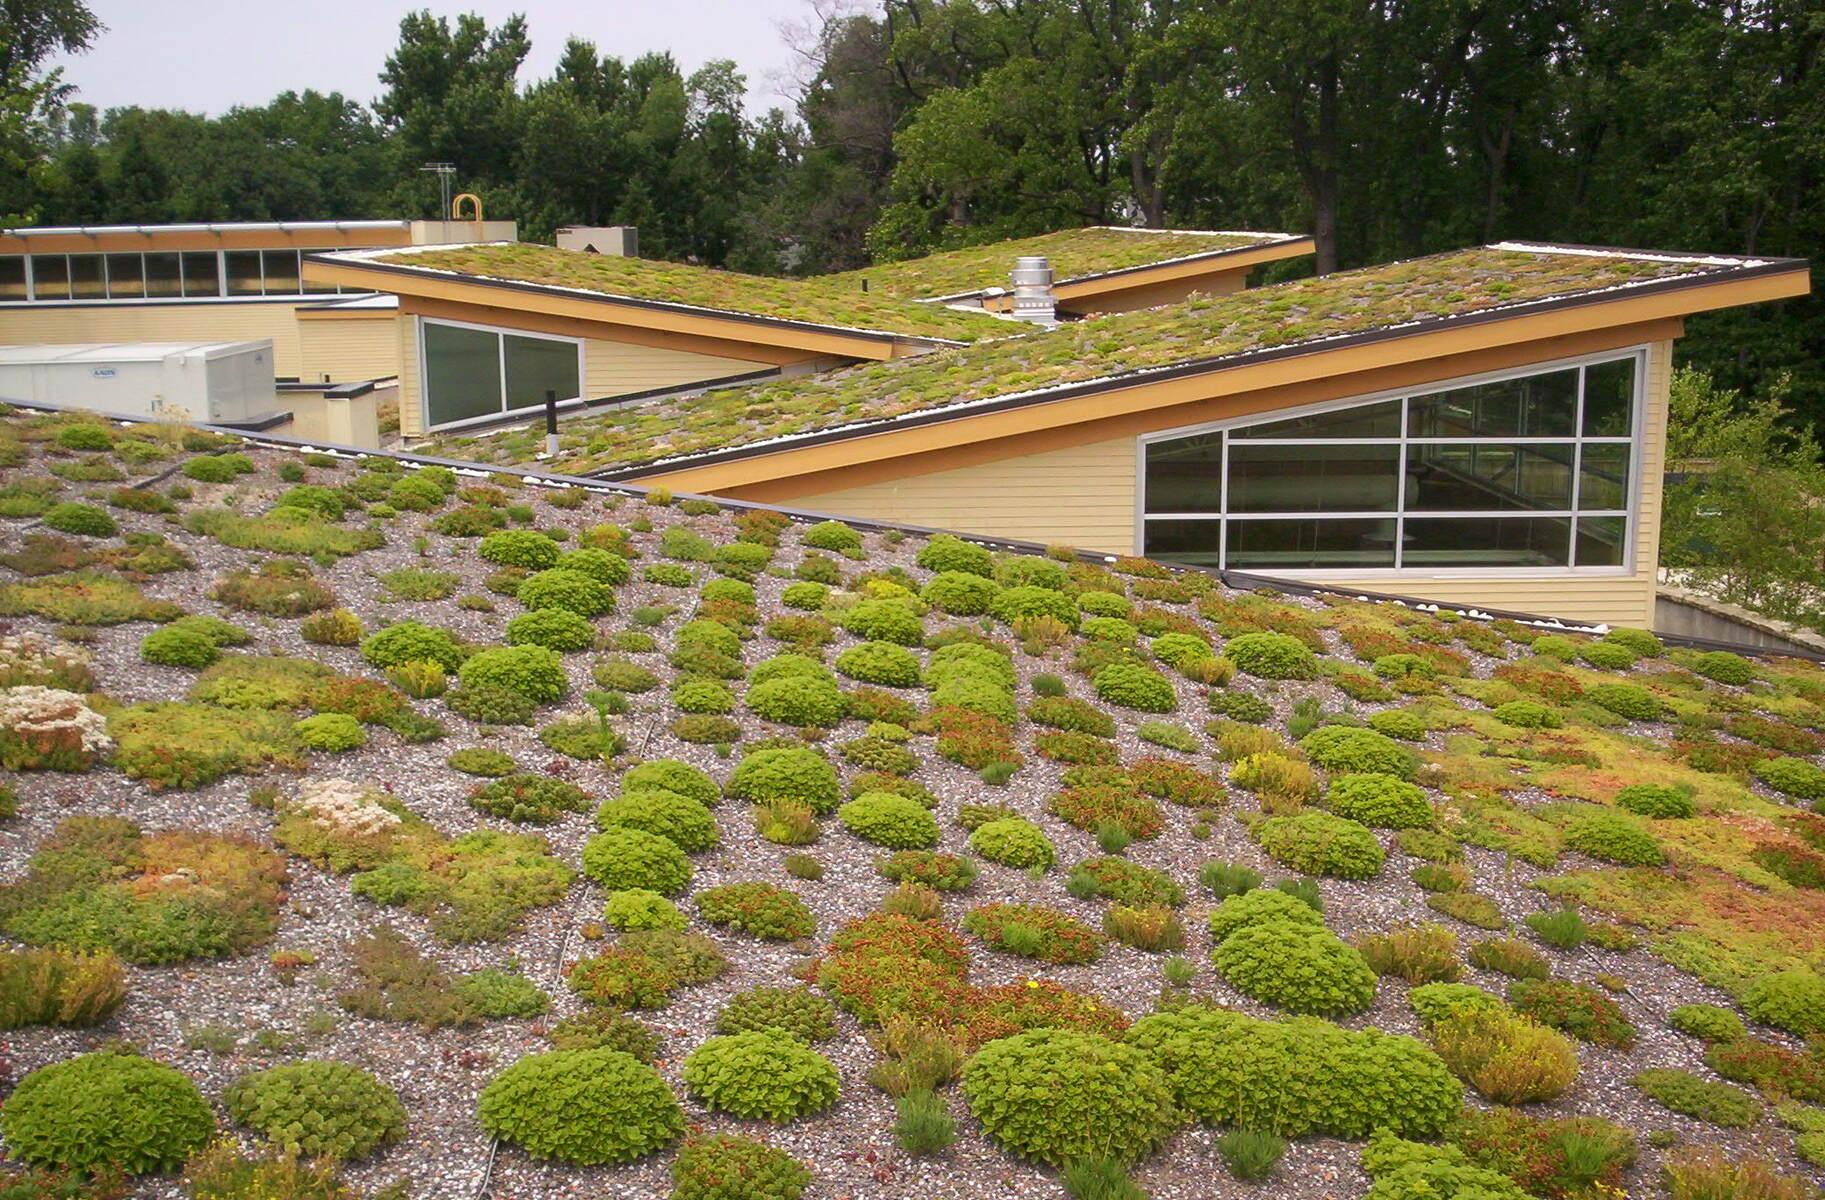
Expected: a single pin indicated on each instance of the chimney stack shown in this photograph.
(1033, 299)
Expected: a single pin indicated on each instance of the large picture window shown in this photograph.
(473, 372)
(1525, 471)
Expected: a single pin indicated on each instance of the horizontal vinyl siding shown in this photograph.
(349, 349)
(411, 413)
(617, 368)
(1082, 496)
(219, 322)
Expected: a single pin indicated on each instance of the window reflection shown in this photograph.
(1526, 472)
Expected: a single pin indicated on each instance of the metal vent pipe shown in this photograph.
(1033, 299)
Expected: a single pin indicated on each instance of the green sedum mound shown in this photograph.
(106, 1111)
(1302, 968)
(1382, 801)
(1271, 656)
(1404, 1170)
(724, 1166)
(1297, 1076)
(1346, 748)
(670, 775)
(1790, 1000)
(1132, 685)
(1321, 843)
(1655, 800)
(1259, 905)
(897, 822)
(587, 1107)
(667, 814)
(530, 671)
(1615, 837)
(787, 773)
(1053, 1095)
(761, 1075)
(622, 857)
(318, 1109)
(1014, 842)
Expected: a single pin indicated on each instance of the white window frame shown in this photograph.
(500, 331)
(221, 280)
(1631, 513)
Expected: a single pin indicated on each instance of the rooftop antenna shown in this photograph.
(445, 172)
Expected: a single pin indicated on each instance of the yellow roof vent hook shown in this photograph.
(456, 211)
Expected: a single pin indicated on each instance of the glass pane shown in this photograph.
(1609, 399)
(1603, 476)
(1297, 544)
(1532, 406)
(1363, 478)
(1362, 421)
(202, 274)
(126, 280)
(50, 277)
(281, 272)
(320, 288)
(1193, 542)
(462, 373)
(1185, 474)
(1486, 542)
(12, 277)
(243, 272)
(1600, 541)
(161, 275)
(85, 277)
(1488, 476)
(538, 365)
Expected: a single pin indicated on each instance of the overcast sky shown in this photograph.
(209, 55)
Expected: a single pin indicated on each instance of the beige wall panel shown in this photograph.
(347, 350)
(27, 325)
(1082, 496)
(616, 368)
(411, 413)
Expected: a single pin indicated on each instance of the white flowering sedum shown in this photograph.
(46, 717)
(34, 655)
(344, 807)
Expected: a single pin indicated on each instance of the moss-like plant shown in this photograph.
(1053, 1095)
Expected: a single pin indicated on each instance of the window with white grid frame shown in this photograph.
(1527, 471)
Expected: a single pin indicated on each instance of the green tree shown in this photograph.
(1743, 515)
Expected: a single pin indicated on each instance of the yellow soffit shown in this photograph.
(609, 310)
(1092, 402)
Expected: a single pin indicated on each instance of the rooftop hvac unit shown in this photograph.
(217, 383)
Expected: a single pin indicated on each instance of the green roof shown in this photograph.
(1074, 254)
(815, 302)
(1305, 314)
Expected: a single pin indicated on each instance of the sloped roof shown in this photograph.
(1204, 333)
(646, 281)
(1075, 255)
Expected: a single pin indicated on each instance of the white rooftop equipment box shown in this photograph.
(218, 383)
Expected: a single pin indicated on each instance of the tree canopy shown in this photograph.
(1387, 129)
